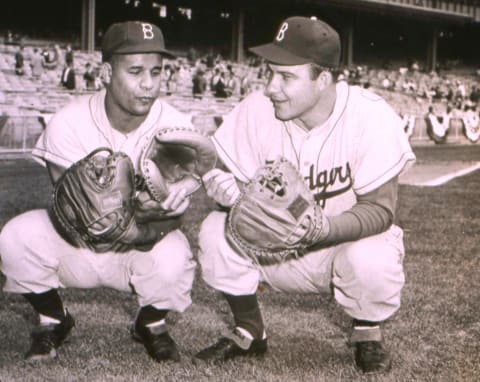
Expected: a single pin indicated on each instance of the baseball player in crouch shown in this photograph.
(349, 146)
(37, 261)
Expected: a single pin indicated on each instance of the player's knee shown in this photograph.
(142, 264)
(372, 267)
(166, 271)
(11, 238)
(211, 231)
(210, 234)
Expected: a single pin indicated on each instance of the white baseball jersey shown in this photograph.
(361, 146)
(83, 126)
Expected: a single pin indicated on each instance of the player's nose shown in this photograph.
(272, 86)
(146, 81)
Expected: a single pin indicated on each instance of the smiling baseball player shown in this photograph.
(349, 147)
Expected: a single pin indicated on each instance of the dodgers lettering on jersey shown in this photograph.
(361, 146)
(319, 183)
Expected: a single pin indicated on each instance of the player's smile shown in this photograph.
(278, 103)
(146, 100)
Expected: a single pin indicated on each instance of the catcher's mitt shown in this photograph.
(175, 158)
(275, 218)
(94, 200)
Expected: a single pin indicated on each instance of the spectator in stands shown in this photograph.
(98, 79)
(69, 55)
(414, 66)
(192, 56)
(475, 94)
(89, 77)
(58, 54)
(220, 87)
(36, 63)
(215, 78)
(51, 57)
(171, 81)
(199, 84)
(19, 62)
(245, 83)
(68, 77)
(9, 37)
(233, 85)
(210, 60)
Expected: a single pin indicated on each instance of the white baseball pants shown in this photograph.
(34, 259)
(367, 275)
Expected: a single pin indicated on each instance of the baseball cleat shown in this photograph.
(47, 338)
(233, 345)
(371, 357)
(158, 343)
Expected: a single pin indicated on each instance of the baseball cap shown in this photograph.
(133, 37)
(302, 40)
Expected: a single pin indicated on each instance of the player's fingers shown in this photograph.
(219, 184)
(174, 199)
(181, 208)
(225, 179)
(232, 193)
(229, 196)
(179, 200)
(211, 174)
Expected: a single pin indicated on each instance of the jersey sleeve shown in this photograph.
(239, 138)
(59, 143)
(382, 148)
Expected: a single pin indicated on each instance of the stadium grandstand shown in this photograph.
(421, 55)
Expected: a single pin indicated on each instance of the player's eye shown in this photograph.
(287, 76)
(135, 70)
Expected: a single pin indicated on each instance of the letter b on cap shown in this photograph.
(281, 32)
(147, 31)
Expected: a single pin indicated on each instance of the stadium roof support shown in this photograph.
(237, 45)
(87, 41)
(452, 10)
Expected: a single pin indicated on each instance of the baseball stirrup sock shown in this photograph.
(365, 331)
(364, 323)
(149, 315)
(246, 313)
(47, 304)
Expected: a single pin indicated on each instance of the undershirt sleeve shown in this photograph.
(372, 214)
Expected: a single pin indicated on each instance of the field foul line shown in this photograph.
(446, 178)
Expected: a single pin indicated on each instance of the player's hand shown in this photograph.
(176, 203)
(148, 209)
(221, 186)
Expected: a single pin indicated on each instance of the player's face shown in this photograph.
(292, 91)
(135, 82)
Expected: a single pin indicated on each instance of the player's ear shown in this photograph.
(106, 73)
(324, 79)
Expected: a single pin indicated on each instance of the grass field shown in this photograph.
(434, 337)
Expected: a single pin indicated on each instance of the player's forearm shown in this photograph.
(372, 214)
(362, 220)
